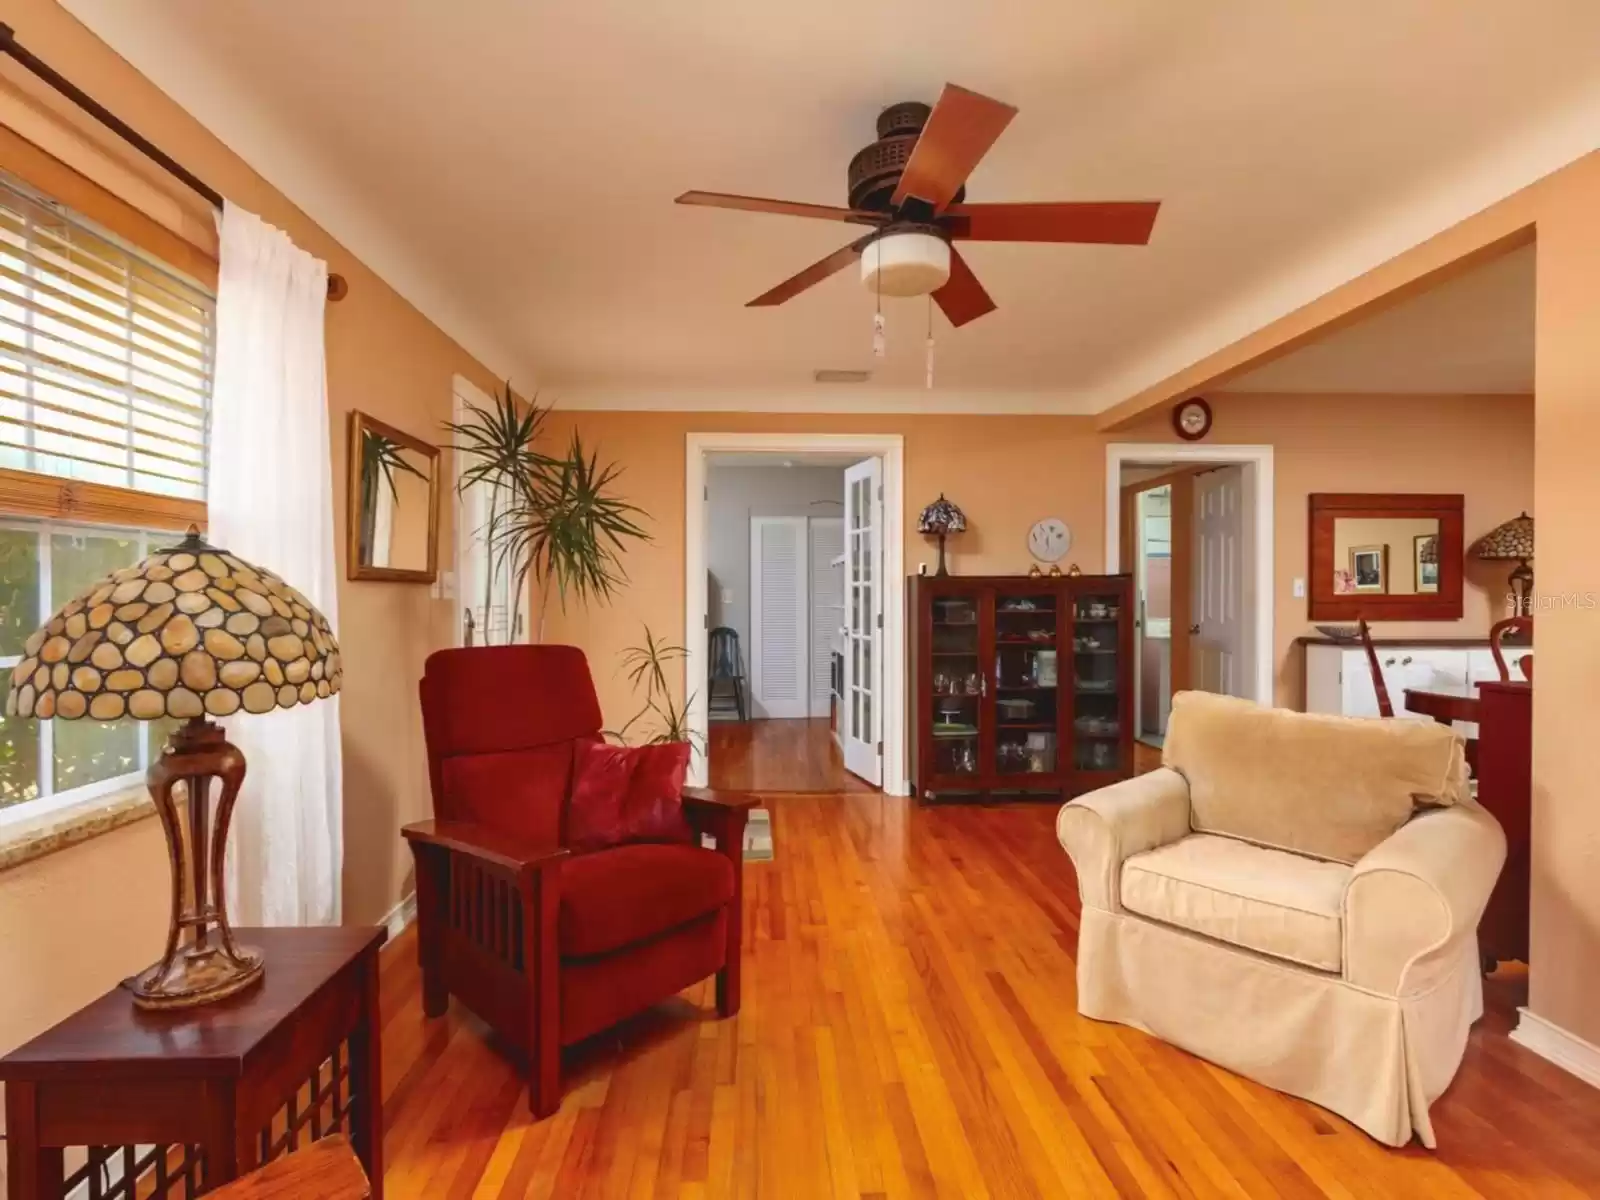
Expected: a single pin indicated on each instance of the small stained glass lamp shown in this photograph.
(191, 632)
(1512, 541)
(942, 518)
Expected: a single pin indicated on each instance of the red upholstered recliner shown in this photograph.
(549, 946)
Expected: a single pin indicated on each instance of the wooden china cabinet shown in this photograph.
(1021, 687)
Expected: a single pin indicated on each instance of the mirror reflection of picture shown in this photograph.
(1369, 568)
(1426, 551)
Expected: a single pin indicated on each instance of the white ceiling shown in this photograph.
(510, 166)
(1472, 335)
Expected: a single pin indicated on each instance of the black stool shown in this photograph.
(727, 666)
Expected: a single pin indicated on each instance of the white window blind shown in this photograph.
(105, 354)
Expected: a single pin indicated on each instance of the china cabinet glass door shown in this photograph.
(958, 685)
(1097, 701)
(1027, 627)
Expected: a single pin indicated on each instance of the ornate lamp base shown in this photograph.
(202, 963)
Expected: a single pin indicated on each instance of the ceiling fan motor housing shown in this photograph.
(875, 170)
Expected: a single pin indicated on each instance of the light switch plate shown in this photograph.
(1299, 588)
(727, 595)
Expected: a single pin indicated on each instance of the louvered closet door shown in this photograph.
(780, 676)
(827, 605)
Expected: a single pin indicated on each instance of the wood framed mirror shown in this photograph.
(393, 511)
(1385, 556)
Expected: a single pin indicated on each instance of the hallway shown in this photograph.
(779, 756)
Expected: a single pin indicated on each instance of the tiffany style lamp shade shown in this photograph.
(942, 518)
(191, 632)
(1512, 541)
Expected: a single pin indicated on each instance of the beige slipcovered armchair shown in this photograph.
(1294, 897)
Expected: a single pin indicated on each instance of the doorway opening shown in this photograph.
(792, 615)
(1193, 524)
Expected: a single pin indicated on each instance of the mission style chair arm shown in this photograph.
(721, 814)
(472, 877)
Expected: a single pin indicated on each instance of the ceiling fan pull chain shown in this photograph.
(930, 344)
(880, 344)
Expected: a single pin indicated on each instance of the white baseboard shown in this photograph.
(1567, 1050)
(401, 915)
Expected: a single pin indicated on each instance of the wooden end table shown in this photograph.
(185, 1101)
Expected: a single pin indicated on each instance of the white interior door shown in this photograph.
(861, 722)
(780, 674)
(827, 606)
(1218, 633)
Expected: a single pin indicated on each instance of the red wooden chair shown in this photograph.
(547, 945)
(1385, 707)
(1498, 632)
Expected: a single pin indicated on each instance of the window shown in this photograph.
(105, 354)
(42, 566)
(105, 381)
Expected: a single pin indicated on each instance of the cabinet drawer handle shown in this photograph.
(1388, 662)
(1406, 661)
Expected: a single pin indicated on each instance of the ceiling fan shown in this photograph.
(910, 186)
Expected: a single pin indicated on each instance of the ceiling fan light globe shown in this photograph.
(906, 264)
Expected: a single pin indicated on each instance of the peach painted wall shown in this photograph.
(1480, 446)
(79, 920)
(1565, 976)
(1558, 212)
(1004, 472)
(1007, 472)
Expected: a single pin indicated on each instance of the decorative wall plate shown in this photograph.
(1049, 540)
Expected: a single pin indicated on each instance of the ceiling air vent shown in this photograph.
(826, 376)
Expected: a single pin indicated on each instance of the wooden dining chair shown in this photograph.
(1385, 708)
(1498, 632)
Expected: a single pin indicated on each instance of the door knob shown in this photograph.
(1194, 629)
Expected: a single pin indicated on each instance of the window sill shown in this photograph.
(69, 826)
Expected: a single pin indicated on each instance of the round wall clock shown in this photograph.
(1049, 539)
(1192, 419)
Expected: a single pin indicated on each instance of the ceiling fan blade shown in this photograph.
(958, 134)
(812, 275)
(962, 298)
(1124, 224)
(786, 208)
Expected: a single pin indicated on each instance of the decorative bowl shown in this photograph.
(1340, 633)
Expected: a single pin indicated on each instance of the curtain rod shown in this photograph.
(337, 287)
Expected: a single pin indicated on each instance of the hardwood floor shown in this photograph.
(778, 756)
(909, 1029)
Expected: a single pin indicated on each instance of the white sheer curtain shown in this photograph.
(270, 501)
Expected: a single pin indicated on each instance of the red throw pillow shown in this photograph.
(628, 794)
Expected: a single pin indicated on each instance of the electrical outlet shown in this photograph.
(1299, 588)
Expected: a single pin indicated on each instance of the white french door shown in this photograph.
(861, 721)
(780, 674)
(1217, 636)
(484, 585)
(827, 606)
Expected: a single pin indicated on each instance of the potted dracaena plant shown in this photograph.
(553, 519)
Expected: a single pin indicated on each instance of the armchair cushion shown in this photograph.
(519, 792)
(1102, 829)
(628, 794)
(626, 894)
(1284, 905)
(1332, 787)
